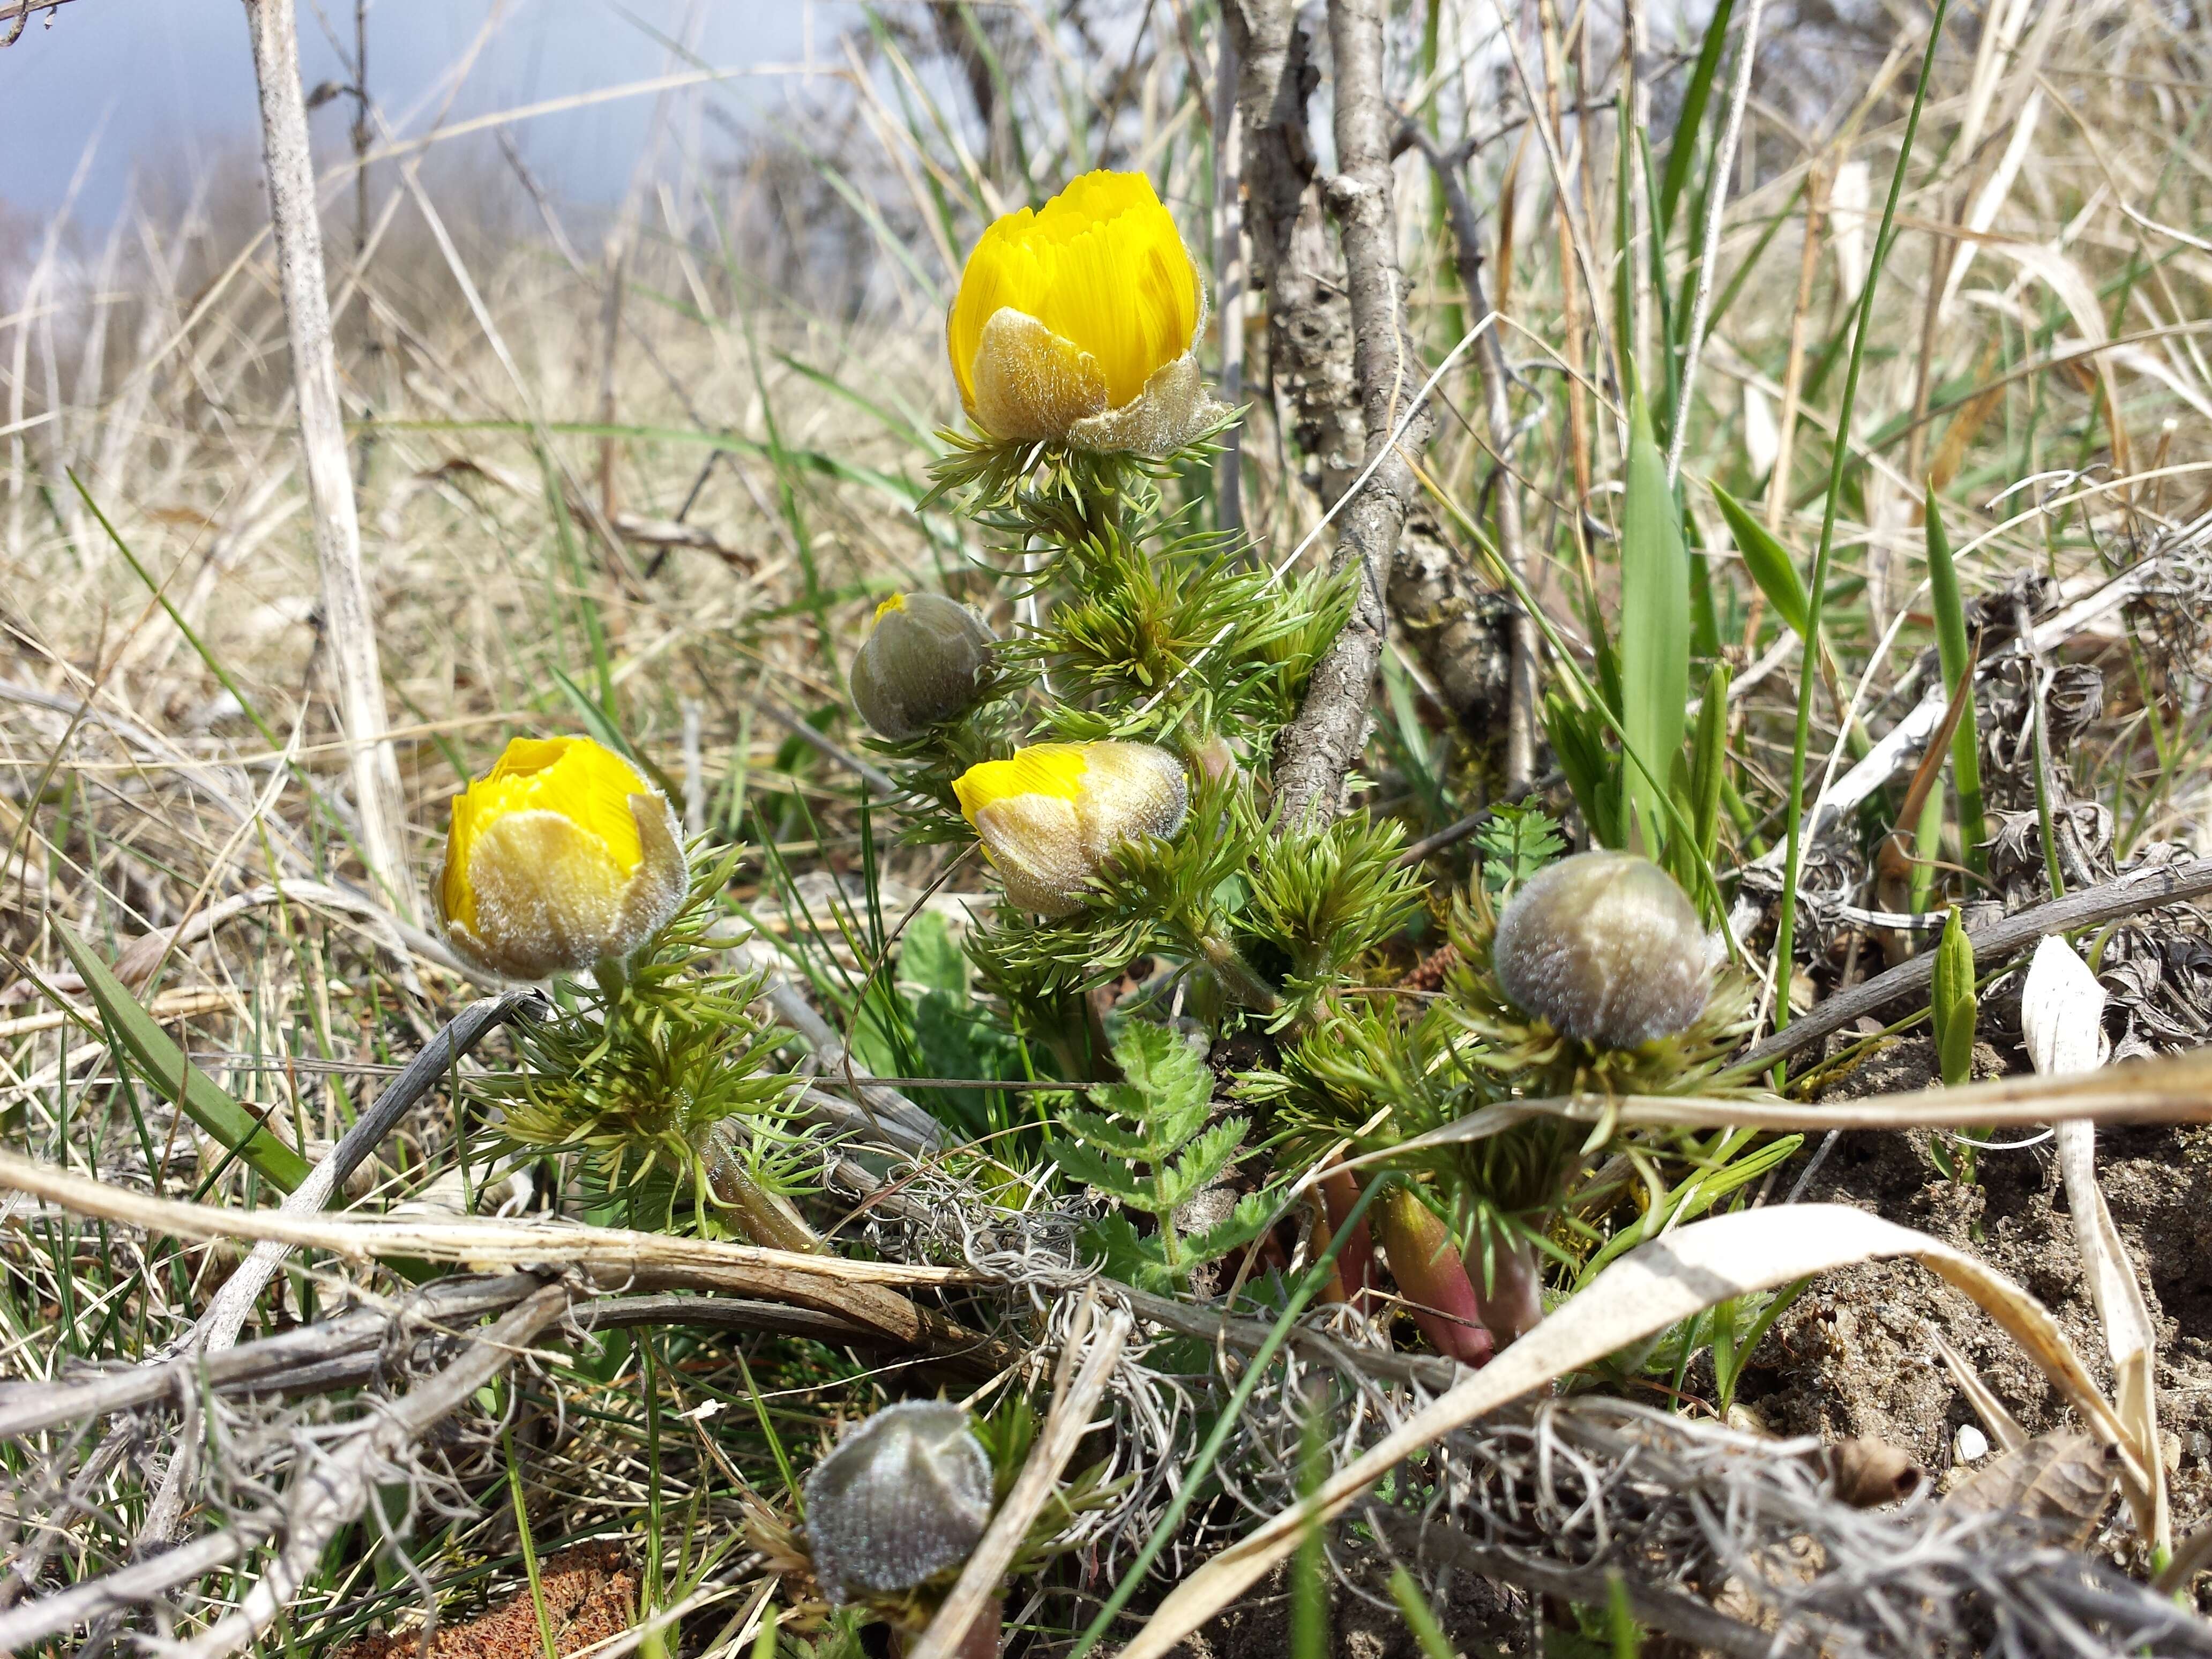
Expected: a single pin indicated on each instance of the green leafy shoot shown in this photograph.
(1516, 842)
(1767, 560)
(1956, 655)
(1147, 1146)
(136, 1033)
(1954, 1004)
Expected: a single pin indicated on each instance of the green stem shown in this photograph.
(1236, 976)
(529, 1547)
(1786, 926)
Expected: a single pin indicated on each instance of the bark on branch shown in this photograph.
(1318, 748)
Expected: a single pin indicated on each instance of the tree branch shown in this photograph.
(2125, 895)
(1320, 745)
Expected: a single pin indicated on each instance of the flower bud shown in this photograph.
(923, 663)
(1077, 324)
(1511, 1295)
(1354, 1279)
(1432, 1279)
(1052, 815)
(560, 858)
(1606, 948)
(905, 1495)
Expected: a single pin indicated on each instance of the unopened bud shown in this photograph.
(923, 664)
(1607, 949)
(905, 1496)
(1432, 1278)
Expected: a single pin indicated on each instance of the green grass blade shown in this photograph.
(1709, 761)
(1786, 924)
(1682, 153)
(1767, 560)
(164, 1063)
(1952, 649)
(1655, 630)
(1421, 1617)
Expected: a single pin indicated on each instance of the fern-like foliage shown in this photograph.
(1514, 845)
(1144, 1142)
(639, 1077)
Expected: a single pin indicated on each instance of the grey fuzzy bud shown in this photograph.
(1607, 949)
(923, 663)
(905, 1495)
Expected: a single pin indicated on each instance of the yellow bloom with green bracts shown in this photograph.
(1076, 323)
(560, 858)
(1051, 815)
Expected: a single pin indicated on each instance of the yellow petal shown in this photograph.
(1055, 770)
(1101, 265)
(546, 860)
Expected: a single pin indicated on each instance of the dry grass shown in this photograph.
(662, 486)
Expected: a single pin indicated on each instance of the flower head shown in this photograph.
(922, 663)
(906, 1496)
(560, 858)
(1053, 814)
(1606, 948)
(1075, 323)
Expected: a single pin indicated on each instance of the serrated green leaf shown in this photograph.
(1768, 562)
(165, 1066)
(1078, 1163)
(1235, 1230)
(1164, 1083)
(1199, 1165)
(1105, 1134)
(1654, 632)
(1130, 1256)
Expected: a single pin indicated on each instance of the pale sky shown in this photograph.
(161, 86)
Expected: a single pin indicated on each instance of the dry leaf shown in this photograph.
(2003, 1427)
(2062, 1011)
(2059, 1483)
(1646, 1291)
(2062, 1016)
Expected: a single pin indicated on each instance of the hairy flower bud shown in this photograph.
(1076, 324)
(1432, 1278)
(1607, 949)
(923, 663)
(560, 858)
(1052, 815)
(905, 1496)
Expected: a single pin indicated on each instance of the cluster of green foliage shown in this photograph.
(645, 1074)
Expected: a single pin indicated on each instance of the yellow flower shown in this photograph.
(1076, 324)
(561, 858)
(1050, 816)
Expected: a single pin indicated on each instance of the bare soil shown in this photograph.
(1853, 1356)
